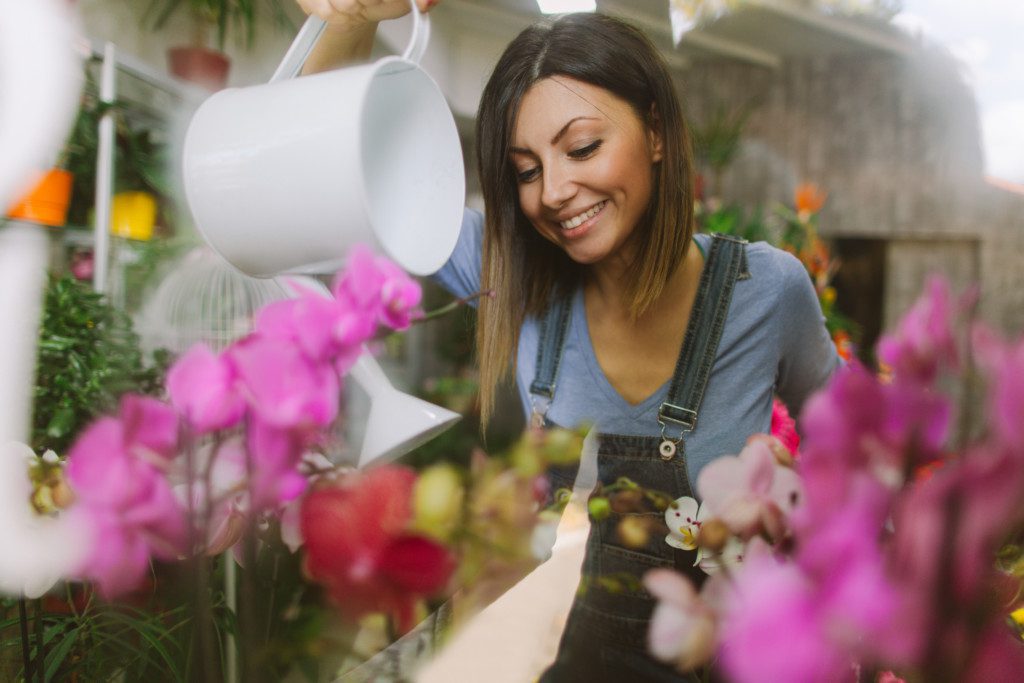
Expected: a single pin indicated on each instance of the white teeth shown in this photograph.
(575, 221)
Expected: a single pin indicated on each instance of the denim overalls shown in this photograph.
(605, 638)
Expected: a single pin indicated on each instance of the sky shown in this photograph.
(988, 38)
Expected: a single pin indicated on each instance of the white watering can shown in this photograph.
(284, 177)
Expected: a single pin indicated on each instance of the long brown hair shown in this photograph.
(523, 269)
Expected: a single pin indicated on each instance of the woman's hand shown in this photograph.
(352, 14)
(351, 25)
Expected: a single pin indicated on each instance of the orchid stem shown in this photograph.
(454, 305)
(40, 645)
(25, 652)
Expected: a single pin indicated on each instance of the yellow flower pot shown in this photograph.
(133, 215)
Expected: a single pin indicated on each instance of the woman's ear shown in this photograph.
(654, 135)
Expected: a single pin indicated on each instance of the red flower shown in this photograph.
(784, 427)
(357, 545)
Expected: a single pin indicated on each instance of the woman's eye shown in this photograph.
(584, 152)
(527, 175)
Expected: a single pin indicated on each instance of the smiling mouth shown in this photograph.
(579, 220)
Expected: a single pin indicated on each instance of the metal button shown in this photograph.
(668, 450)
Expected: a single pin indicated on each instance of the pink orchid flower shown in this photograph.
(750, 492)
(116, 468)
(682, 627)
(359, 285)
(1003, 365)
(377, 286)
(276, 455)
(323, 327)
(285, 388)
(203, 388)
(771, 627)
(400, 295)
(923, 341)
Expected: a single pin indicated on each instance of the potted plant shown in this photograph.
(56, 198)
(198, 62)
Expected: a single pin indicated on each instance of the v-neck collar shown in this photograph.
(581, 328)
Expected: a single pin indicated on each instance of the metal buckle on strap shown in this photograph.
(688, 422)
(669, 446)
(540, 406)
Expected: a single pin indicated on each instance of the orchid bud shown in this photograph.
(437, 501)
(562, 446)
(599, 508)
(62, 494)
(634, 531)
(713, 535)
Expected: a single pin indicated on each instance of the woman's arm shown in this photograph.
(351, 27)
(808, 356)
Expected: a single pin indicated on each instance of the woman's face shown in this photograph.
(584, 162)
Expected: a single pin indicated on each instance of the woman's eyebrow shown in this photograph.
(558, 135)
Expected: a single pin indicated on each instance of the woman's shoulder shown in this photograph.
(773, 269)
(461, 274)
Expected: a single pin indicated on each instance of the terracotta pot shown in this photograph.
(205, 68)
(47, 202)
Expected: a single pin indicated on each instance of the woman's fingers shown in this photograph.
(356, 12)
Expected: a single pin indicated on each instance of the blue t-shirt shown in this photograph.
(774, 341)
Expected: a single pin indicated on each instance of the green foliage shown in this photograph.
(733, 220)
(86, 639)
(141, 160)
(79, 153)
(88, 356)
(238, 16)
(717, 140)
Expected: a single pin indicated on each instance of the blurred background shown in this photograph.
(903, 119)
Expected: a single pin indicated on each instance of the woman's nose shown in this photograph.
(558, 187)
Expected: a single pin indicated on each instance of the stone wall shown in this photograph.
(896, 143)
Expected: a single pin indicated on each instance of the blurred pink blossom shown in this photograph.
(859, 427)
(274, 476)
(377, 286)
(285, 388)
(923, 341)
(682, 626)
(123, 497)
(1003, 365)
(968, 506)
(203, 389)
(323, 327)
(359, 284)
(750, 492)
(400, 295)
(772, 627)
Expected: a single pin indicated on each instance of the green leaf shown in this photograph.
(56, 656)
(61, 423)
(153, 635)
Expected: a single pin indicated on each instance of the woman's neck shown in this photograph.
(606, 290)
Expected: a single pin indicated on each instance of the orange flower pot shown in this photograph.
(47, 202)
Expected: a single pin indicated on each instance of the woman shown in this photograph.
(603, 310)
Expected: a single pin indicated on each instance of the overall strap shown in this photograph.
(550, 340)
(726, 263)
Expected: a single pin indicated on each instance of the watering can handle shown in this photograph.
(314, 27)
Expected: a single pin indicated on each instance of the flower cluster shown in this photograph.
(235, 431)
(360, 547)
(881, 553)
